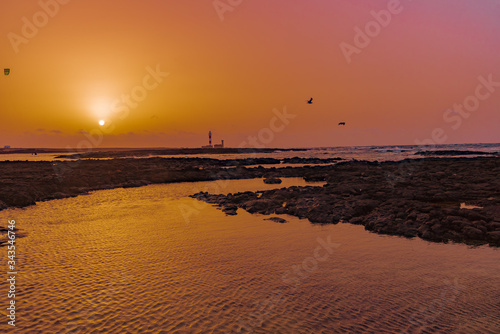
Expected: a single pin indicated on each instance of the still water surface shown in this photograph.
(152, 260)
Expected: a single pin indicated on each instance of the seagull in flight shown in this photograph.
(342, 123)
(310, 101)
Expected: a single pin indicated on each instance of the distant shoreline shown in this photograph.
(110, 153)
(116, 152)
(196, 150)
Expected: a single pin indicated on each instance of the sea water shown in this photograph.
(153, 260)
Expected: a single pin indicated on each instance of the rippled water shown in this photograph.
(151, 260)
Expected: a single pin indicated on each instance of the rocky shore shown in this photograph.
(98, 152)
(426, 199)
(23, 183)
(411, 198)
(454, 153)
(95, 154)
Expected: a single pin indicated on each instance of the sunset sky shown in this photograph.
(229, 66)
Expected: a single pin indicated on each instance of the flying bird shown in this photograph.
(342, 123)
(310, 101)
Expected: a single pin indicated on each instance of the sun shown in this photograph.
(102, 122)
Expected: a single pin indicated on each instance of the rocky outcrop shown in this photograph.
(411, 198)
(297, 160)
(454, 153)
(277, 220)
(424, 203)
(272, 180)
(99, 154)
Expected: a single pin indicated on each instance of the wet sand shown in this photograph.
(411, 198)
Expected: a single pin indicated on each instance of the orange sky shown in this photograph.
(230, 67)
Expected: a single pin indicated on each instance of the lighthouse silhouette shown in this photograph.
(221, 145)
(209, 141)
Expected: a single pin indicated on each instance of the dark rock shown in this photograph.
(277, 220)
(480, 225)
(344, 189)
(410, 233)
(473, 214)
(438, 228)
(272, 180)
(263, 206)
(473, 233)
(297, 160)
(454, 152)
(494, 238)
(314, 178)
(422, 218)
(357, 221)
(364, 207)
(58, 195)
(492, 211)
(230, 210)
(319, 215)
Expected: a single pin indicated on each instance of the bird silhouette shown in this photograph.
(310, 101)
(342, 123)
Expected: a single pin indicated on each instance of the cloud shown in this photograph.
(58, 132)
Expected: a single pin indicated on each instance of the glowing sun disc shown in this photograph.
(101, 122)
